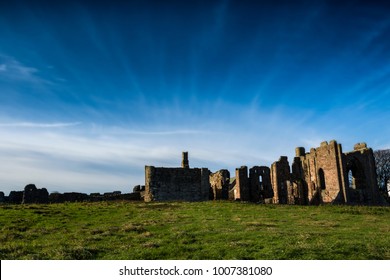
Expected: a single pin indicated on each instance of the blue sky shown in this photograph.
(91, 92)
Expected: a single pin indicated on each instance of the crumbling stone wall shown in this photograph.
(183, 184)
(280, 178)
(15, 197)
(260, 183)
(360, 176)
(296, 192)
(255, 188)
(68, 197)
(241, 189)
(32, 194)
(321, 173)
(219, 183)
(324, 174)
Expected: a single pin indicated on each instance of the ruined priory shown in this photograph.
(323, 175)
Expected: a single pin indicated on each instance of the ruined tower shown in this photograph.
(331, 176)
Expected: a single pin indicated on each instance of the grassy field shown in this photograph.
(205, 230)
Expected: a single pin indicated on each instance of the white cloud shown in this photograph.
(39, 125)
(77, 156)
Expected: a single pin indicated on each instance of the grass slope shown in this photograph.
(205, 230)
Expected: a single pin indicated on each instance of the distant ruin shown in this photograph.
(32, 195)
(324, 175)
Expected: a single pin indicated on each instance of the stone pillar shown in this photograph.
(242, 184)
(280, 176)
(184, 162)
(149, 183)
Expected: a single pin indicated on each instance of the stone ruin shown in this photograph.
(32, 194)
(328, 175)
(219, 185)
(324, 175)
(181, 183)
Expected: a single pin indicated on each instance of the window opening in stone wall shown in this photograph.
(321, 177)
(261, 187)
(351, 180)
(356, 177)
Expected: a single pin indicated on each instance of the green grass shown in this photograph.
(204, 230)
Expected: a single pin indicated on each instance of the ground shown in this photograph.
(201, 230)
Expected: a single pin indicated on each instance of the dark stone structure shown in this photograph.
(68, 197)
(280, 175)
(184, 161)
(255, 188)
(15, 197)
(33, 195)
(260, 183)
(181, 184)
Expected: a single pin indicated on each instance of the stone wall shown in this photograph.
(322, 175)
(219, 183)
(241, 189)
(260, 183)
(15, 197)
(280, 178)
(256, 187)
(360, 176)
(32, 194)
(176, 184)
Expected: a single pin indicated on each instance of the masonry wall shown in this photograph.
(241, 189)
(260, 183)
(220, 182)
(176, 184)
(364, 187)
(323, 174)
(280, 178)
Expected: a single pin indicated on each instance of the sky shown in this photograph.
(92, 91)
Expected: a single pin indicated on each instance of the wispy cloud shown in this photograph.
(39, 125)
(91, 157)
(172, 132)
(13, 70)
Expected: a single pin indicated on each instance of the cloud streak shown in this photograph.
(39, 125)
(98, 95)
(13, 70)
